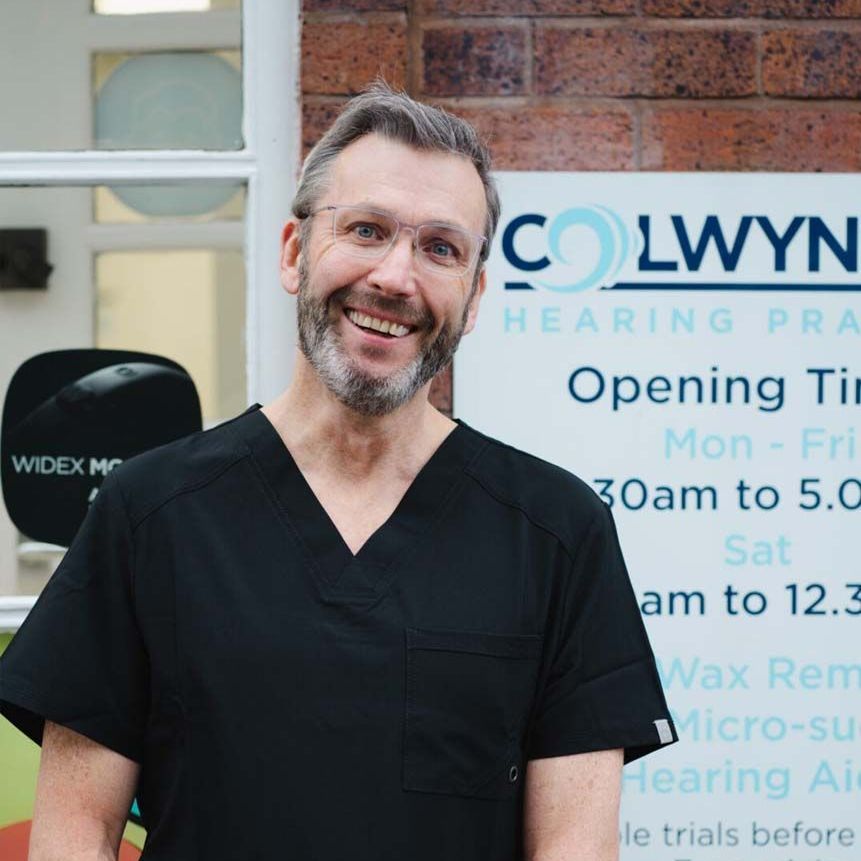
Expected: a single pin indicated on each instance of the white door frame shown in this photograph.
(269, 165)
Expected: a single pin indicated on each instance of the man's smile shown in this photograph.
(378, 324)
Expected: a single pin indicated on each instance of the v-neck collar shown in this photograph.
(365, 575)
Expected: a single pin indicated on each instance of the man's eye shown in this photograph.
(441, 249)
(366, 231)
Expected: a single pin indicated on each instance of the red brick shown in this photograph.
(812, 63)
(343, 56)
(555, 137)
(753, 8)
(527, 7)
(316, 118)
(730, 138)
(474, 61)
(628, 61)
(812, 8)
(704, 8)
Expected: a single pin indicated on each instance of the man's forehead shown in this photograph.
(416, 185)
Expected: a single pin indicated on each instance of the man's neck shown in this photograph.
(322, 434)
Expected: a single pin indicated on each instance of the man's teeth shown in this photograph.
(384, 326)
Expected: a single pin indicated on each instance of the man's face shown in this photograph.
(371, 372)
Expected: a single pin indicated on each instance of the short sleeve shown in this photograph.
(601, 689)
(78, 659)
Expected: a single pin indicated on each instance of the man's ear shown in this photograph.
(474, 302)
(290, 253)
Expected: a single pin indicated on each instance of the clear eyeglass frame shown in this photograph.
(453, 270)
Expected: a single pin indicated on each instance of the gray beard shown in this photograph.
(349, 383)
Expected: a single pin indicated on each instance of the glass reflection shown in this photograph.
(176, 100)
(108, 208)
(138, 7)
(188, 305)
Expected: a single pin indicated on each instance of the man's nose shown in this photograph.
(395, 272)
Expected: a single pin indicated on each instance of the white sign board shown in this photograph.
(688, 344)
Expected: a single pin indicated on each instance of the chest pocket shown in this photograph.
(468, 697)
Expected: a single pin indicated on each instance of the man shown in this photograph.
(342, 625)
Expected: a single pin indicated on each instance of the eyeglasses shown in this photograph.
(442, 249)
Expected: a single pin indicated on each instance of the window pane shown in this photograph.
(137, 7)
(175, 100)
(188, 305)
(139, 204)
(135, 89)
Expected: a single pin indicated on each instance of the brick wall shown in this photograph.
(770, 85)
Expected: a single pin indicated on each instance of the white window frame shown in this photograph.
(268, 164)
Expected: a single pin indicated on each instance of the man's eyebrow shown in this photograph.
(443, 222)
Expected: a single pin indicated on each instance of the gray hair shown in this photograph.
(396, 116)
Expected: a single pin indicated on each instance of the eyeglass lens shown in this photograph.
(368, 233)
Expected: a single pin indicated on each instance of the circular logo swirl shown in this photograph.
(613, 239)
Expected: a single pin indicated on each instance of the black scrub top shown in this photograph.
(287, 699)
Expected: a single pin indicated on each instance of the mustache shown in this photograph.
(399, 308)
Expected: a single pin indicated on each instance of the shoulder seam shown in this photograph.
(124, 507)
(519, 451)
(499, 497)
(187, 488)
